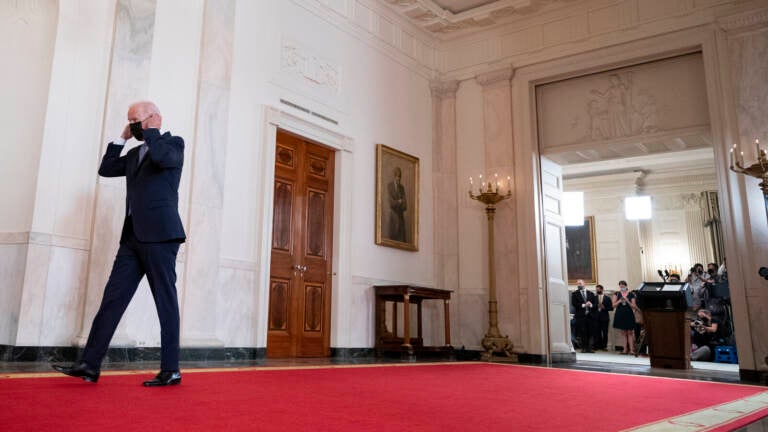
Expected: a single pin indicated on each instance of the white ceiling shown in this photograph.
(683, 161)
(609, 152)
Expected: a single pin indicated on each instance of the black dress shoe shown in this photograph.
(81, 370)
(164, 378)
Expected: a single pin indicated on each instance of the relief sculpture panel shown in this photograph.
(646, 101)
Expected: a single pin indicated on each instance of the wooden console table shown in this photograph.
(387, 340)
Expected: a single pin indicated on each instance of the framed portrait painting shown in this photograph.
(397, 199)
(581, 254)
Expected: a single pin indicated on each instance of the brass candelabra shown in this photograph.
(489, 194)
(759, 169)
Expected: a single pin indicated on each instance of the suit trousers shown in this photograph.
(603, 332)
(134, 260)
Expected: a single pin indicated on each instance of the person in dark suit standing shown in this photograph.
(604, 305)
(151, 235)
(398, 205)
(585, 307)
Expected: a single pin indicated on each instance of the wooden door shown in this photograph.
(302, 232)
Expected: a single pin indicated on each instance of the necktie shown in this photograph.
(142, 152)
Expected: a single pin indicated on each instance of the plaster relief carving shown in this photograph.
(299, 61)
(614, 111)
(642, 103)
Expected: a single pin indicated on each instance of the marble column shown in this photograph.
(128, 82)
(59, 239)
(199, 300)
(745, 47)
(444, 184)
(499, 157)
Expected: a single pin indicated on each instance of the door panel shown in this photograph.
(300, 295)
(554, 251)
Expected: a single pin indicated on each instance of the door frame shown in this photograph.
(275, 119)
(722, 115)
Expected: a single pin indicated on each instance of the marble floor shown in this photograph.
(601, 362)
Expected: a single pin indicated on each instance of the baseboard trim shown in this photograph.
(126, 355)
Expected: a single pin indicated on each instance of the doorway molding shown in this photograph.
(275, 119)
(707, 39)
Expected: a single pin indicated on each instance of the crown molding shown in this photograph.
(744, 21)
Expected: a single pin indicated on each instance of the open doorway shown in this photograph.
(610, 246)
(635, 133)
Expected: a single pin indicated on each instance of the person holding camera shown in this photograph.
(624, 317)
(704, 330)
(700, 283)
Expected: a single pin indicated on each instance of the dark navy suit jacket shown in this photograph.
(152, 186)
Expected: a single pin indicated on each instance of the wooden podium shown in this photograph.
(669, 336)
(669, 339)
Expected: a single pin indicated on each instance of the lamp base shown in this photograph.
(496, 344)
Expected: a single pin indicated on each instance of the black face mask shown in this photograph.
(137, 131)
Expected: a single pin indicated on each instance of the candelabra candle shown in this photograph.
(759, 169)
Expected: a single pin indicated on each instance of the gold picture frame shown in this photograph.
(397, 199)
(581, 252)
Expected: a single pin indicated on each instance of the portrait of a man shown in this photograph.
(396, 198)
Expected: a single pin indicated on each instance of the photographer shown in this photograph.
(704, 333)
(700, 283)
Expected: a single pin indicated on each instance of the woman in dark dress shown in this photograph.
(624, 318)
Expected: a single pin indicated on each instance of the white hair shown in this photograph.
(150, 106)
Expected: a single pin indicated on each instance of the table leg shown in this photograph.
(418, 321)
(406, 321)
(447, 308)
(394, 319)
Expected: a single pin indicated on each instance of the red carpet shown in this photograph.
(457, 396)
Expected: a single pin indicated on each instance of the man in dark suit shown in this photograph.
(604, 305)
(398, 205)
(585, 308)
(151, 235)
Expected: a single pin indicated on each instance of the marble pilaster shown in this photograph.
(128, 82)
(747, 43)
(199, 319)
(13, 259)
(444, 181)
(499, 157)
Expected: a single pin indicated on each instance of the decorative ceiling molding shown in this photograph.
(744, 20)
(430, 16)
